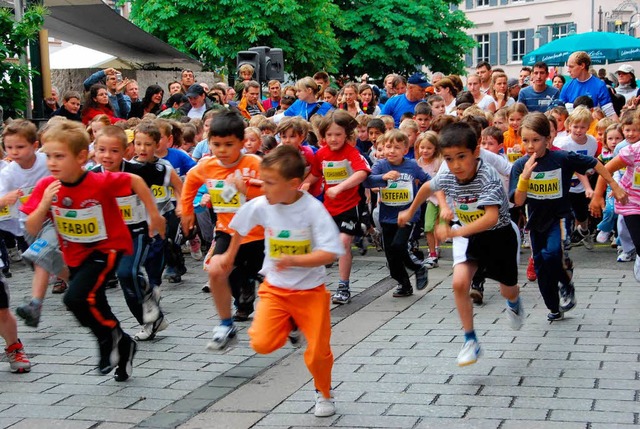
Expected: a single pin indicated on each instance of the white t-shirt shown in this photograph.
(589, 148)
(486, 101)
(197, 113)
(297, 228)
(14, 177)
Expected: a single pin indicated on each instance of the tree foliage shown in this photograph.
(383, 36)
(214, 31)
(14, 77)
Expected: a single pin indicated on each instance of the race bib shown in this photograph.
(225, 198)
(545, 185)
(160, 193)
(468, 212)
(287, 242)
(26, 194)
(397, 193)
(5, 213)
(636, 179)
(513, 156)
(336, 172)
(131, 209)
(80, 225)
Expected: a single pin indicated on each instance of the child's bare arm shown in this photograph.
(34, 221)
(354, 180)
(423, 193)
(157, 223)
(483, 223)
(316, 258)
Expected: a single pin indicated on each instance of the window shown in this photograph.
(481, 3)
(482, 50)
(517, 45)
(559, 31)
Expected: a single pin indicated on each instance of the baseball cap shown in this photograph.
(512, 81)
(195, 90)
(419, 79)
(625, 68)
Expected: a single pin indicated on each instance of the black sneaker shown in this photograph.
(361, 245)
(552, 317)
(422, 277)
(577, 237)
(30, 313)
(567, 297)
(402, 291)
(240, 316)
(6, 272)
(127, 348)
(109, 352)
(112, 283)
(342, 295)
(295, 337)
(477, 292)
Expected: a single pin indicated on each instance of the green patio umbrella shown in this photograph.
(602, 47)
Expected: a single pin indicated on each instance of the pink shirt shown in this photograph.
(630, 181)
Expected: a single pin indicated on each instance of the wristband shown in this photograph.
(523, 185)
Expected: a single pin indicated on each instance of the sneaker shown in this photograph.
(342, 295)
(60, 286)
(402, 291)
(185, 249)
(195, 248)
(151, 306)
(6, 272)
(325, 407)
(552, 317)
(603, 236)
(526, 241)
(422, 277)
(361, 245)
(30, 313)
(588, 241)
(431, 262)
(112, 283)
(531, 271)
(205, 288)
(376, 240)
(109, 352)
(296, 338)
(222, 335)
(626, 256)
(127, 348)
(516, 317)
(567, 297)
(240, 316)
(149, 330)
(477, 292)
(17, 358)
(174, 278)
(576, 238)
(636, 269)
(15, 254)
(438, 252)
(469, 353)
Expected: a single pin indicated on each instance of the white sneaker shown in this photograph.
(431, 262)
(149, 330)
(603, 236)
(636, 269)
(469, 353)
(222, 335)
(526, 241)
(626, 256)
(325, 407)
(151, 306)
(14, 254)
(516, 320)
(195, 249)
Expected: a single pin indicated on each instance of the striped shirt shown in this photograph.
(470, 199)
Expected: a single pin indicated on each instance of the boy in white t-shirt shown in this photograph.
(300, 239)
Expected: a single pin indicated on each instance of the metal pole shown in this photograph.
(36, 66)
(18, 9)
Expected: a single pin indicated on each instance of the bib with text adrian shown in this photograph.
(131, 209)
(224, 198)
(468, 212)
(287, 242)
(336, 172)
(80, 225)
(545, 185)
(397, 193)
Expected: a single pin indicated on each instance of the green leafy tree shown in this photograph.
(14, 77)
(214, 31)
(383, 36)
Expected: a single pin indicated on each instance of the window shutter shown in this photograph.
(493, 2)
(468, 60)
(544, 35)
(453, 7)
(504, 2)
(493, 49)
(504, 47)
(469, 4)
(528, 40)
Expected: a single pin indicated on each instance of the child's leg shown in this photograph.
(243, 277)
(154, 264)
(632, 223)
(394, 251)
(133, 283)
(346, 260)
(462, 274)
(548, 257)
(625, 238)
(272, 320)
(511, 293)
(8, 326)
(310, 310)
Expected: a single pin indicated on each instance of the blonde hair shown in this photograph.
(296, 123)
(23, 128)
(387, 119)
(70, 133)
(255, 130)
(604, 123)
(409, 124)
(396, 135)
(579, 114)
(308, 82)
(431, 137)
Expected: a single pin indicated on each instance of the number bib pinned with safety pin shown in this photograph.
(80, 225)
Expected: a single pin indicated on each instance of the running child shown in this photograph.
(342, 169)
(92, 234)
(612, 136)
(300, 239)
(542, 180)
(512, 140)
(485, 238)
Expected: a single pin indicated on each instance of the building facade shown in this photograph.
(506, 30)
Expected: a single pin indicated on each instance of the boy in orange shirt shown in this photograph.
(231, 179)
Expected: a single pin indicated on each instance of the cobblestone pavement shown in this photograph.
(395, 362)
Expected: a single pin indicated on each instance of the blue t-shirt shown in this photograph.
(201, 149)
(180, 161)
(538, 101)
(399, 105)
(549, 185)
(396, 195)
(306, 110)
(593, 87)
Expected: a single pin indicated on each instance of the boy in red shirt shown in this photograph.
(91, 233)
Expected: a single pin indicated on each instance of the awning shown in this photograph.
(95, 25)
(79, 57)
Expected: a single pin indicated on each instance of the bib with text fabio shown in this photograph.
(545, 185)
(397, 193)
(80, 225)
(468, 212)
(287, 242)
(131, 209)
(336, 172)
(225, 198)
